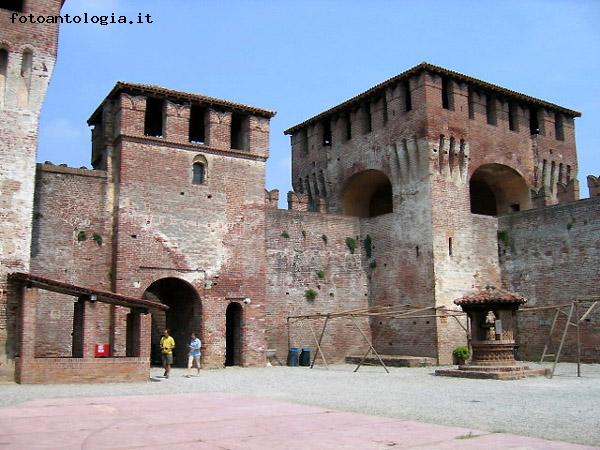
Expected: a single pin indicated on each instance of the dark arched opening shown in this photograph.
(498, 189)
(182, 318)
(233, 335)
(368, 194)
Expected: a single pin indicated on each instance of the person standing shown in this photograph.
(167, 344)
(194, 354)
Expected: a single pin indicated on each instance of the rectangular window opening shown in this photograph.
(450, 246)
(513, 118)
(154, 118)
(471, 103)
(534, 123)
(239, 134)
(490, 109)
(417, 251)
(368, 125)
(327, 133)
(348, 127)
(447, 100)
(304, 141)
(12, 5)
(407, 96)
(384, 109)
(515, 207)
(197, 133)
(558, 127)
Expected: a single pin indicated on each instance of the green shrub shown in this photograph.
(81, 236)
(373, 264)
(97, 238)
(285, 235)
(324, 237)
(368, 246)
(461, 352)
(321, 274)
(351, 244)
(310, 294)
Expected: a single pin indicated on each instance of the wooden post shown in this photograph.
(578, 340)
(562, 341)
(319, 349)
(320, 340)
(370, 345)
(549, 340)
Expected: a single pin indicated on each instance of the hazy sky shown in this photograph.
(301, 57)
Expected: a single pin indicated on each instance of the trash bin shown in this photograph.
(305, 357)
(292, 359)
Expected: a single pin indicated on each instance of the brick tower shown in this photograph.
(27, 57)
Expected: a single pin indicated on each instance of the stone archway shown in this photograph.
(368, 194)
(183, 317)
(496, 189)
(233, 334)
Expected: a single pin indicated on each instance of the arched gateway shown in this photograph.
(183, 317)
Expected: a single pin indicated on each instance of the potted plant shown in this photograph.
(461, 354)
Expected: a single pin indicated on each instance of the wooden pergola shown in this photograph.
(396, 312)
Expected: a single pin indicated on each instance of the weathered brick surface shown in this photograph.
(551, 257)
(315, 257)
(24, 88)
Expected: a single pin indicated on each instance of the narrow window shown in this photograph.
(417, 251)
(368, 117)
(447, 98)
(348, 127)
(198, 173)
(449, 246)
(239, 136)
(568, 173)
(490, 109)
(534, 123)
(513, 118)
(3, 70)
(515, 207)
(197, 131)
(407, 98)
(558, 127)
(326, 133)
(154, 118)
(560, 172)
(471, 101)
(25, 80)
(304, 141)
(384, 109)
(13, 5)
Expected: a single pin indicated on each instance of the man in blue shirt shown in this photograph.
(194, 354)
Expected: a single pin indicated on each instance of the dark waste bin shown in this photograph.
(292, 359)
(305, 357)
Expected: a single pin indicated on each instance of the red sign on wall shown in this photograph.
(102, 350)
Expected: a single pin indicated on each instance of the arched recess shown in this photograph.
(368, 194)
(497, 189)
(183, 317)
(199, 169)
(24, 86)
(233, 334)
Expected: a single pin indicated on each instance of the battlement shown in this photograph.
(161, 116)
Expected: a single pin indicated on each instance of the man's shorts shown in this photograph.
(191, 360)
(167, 358)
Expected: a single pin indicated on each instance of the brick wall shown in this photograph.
(308, 251)
(20, 102)
(551, 257)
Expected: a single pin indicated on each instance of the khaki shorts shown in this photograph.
(167, 358)
(191, 360)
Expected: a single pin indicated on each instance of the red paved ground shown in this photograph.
(224, 421)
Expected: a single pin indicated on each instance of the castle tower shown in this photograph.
(426, 161)
(27, 57)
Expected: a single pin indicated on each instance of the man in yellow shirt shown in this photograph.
(167, 344)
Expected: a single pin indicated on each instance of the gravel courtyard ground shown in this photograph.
(564, 408)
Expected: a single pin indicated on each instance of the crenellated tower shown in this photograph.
(27, 57)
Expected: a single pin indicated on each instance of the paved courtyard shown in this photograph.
(282, 407)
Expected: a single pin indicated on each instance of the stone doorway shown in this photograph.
(233, 335)
(182, 318)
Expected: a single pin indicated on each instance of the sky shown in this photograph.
(302, 57)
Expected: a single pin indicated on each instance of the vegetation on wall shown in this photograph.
(351, 244)
(81, 236)
(321, 274)
(97, 238)
(285, 235)
(368, 243)
(310, 294)
(324, 237)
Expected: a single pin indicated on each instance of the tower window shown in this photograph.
(13, 5)
(513, 118)
(348, 127)
(24, 85)
(534, 123)
(384, 109)
(3, 71)
(154, 118)
(471, 102)
(407, 97)
(368, 119)
(198, 171)
(326, 133)
(197, 131)
(450, 250)
(490, 109)
(558, 127)
(239, 131)
(447, 95)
